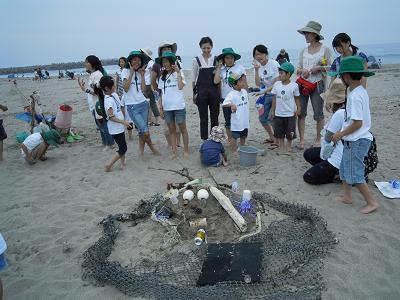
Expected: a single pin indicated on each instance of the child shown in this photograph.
(238, 101)
(285, 106)
(3, 263)
(212, 152)
(226, 65)
(116, 121)
(355, 132)
(3, 134)
(120, 86)
(35, 146)
(172, 101)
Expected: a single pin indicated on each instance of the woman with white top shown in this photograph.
(313, 62)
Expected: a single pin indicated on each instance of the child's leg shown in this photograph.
(346, 198)
(280, 142)
(147, 140)
(372, 204)
(289, 146)
(109, 166)
(123, 164)
(178, 139)
(1, 150)
(242, 141)
(185, 137)
(1, 290)
(41, 151)
(224, 162)
(141, 145)
(172, 138)
(233, 144)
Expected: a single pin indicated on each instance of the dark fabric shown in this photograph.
(148, 93)
(285, 127)
(282, 58)
(210, 152)
(322, 171)
(121, 142)
(227, 116)
(3, 134)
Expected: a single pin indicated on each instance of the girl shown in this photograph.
(120, 86)
(312, 69)
(116, 122)
(172, 101)
(342, 44)
(226, 66)
(205, 92)
(95, 69)
(266, 74)
(136, 103)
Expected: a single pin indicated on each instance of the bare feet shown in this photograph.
(369, 208)
(344, 199)
(317, 143)
(273, 146)
(173, 156)
(107, 168)
(185, 154)
(300, 146)
(122, 167)
(156, 153)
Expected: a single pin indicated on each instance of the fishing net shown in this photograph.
(292, 248)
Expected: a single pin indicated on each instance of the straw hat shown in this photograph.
(147, 51)
(217, 134)
(173, 46)
(335, 94)
(313, 27)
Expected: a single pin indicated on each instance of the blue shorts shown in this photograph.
(175, 116)
(240, 134)
(3, 263)
(352, 168)
(138, 114)
(264, 118)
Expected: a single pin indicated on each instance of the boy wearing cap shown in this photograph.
(212, 152)
(36, 145)
(355, 132)
(285, 106)
(238, 101)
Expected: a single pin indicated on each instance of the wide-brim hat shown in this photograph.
(168, 55)
(173, 46)
(336, 92)
(217, 134)
(145, 59)
(228, 51)
(147, 52)
(287, 67)
(352, 64)
(313, 27)
(51, 137)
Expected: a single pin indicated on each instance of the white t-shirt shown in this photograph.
(116, 105)
(334, 125)
(127, 117)
(134, 95)
(172, 96)
(147, 73)
(225, 72)
(357, 108)
(93, 80)
(285, 103)
(32, 141)
(240, 120)
(268, 73)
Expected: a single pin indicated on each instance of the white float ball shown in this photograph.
(202, 194)
(188, 195)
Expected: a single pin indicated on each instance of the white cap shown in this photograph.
(3, 245)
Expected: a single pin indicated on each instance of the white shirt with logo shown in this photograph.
(334, 125)
(285, 105)
(116, 105)
(240, 120)
(172, 97)
(225, 72)
(268, 73)
(134, 95)
(147, 73)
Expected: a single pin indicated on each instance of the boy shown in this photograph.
(212, 152)
(355, 132)
(36, 145)
(285, 106)
(238, 101)
(3, 134)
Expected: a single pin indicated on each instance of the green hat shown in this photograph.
(51, 137)
(234, 77)
(228, 51)
(167, 54)
(351, 64)
(287, 67)
(145, 59)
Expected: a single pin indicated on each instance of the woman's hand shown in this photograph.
(256, 66)
(131, 68)
(81, 84)
(176, 68)
(127, 125)
(315, 70)
(161, 112)
(142, 70)
(305, 73)
(271, 115)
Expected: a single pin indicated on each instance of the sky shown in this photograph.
(35, 32)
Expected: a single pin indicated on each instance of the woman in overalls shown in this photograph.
(206, 94)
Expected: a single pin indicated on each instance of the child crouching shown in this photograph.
(212, 152)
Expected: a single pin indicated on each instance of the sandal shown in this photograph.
(273, 146)
(299, 147)
(267, 141)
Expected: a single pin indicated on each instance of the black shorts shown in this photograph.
(3, 134)
(285, 127)
(121, 142)
(240, 134)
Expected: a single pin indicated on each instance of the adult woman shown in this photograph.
(206, 94)
(133, 78)
(311, 71)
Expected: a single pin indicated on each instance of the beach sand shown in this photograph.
(49, 212)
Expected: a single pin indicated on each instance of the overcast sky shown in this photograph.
(45, 31)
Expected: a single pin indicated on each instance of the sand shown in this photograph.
(50, 211)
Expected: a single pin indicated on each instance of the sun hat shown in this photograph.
(335, 94)
(217, 134)
(147, 51)
(287, 67)
(173, 46)
(51, 137)
(234, 77)
(167, 54)
(351, 64)
(228, 51)
(145, 59)
(313, 27)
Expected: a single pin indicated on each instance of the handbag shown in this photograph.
(306, 87)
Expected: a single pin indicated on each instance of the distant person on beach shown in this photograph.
(285, 107)
(238, 101)
(36, 75)
(282, 57)
(227, 64)
(47, 74)
(266, 74)
(212, 152)
(313, 63)
(206, 94)
(172, 100)
(3, 262)
(35, 146)
(342, 45)
(92, 89)
(3, 134)
(133, 78)
(355, 132)
(116, 120)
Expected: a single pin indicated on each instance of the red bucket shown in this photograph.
(64, 117)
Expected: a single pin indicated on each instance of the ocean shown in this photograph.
(387, 53)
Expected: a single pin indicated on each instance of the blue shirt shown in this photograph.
(210, 152)
(336, 63)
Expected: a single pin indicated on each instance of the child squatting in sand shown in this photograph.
(355, 132)
(212, 152)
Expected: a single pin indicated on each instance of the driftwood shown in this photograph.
(184, 172)
(230, 209)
